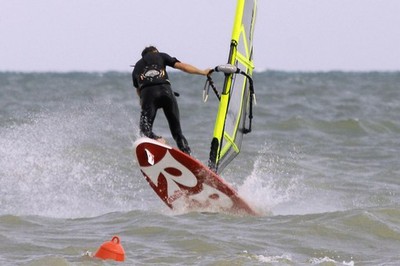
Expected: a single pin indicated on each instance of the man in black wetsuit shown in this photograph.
(154, 89)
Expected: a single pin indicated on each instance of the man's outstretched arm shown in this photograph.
(191, 69)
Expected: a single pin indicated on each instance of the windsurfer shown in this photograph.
(154, 89)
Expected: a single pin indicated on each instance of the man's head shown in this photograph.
(149, 49)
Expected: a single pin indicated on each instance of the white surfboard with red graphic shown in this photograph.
(184, 183)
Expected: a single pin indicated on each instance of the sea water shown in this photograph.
(322, 165)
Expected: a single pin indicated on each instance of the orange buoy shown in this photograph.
(111, 250)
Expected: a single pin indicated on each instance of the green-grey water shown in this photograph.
(322, 163)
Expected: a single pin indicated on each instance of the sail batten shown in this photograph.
(235, 97)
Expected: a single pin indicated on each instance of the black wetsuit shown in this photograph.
(151, 79)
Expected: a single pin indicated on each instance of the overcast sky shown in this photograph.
(102, 35)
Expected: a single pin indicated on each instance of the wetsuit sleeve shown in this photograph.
(168, 60)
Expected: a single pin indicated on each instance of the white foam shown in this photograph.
(272, 182)
(63, 164)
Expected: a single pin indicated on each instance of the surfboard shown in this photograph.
(183, 183)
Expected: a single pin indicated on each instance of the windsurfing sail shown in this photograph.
(236, 96)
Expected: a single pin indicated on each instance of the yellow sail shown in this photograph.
(235, 97)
